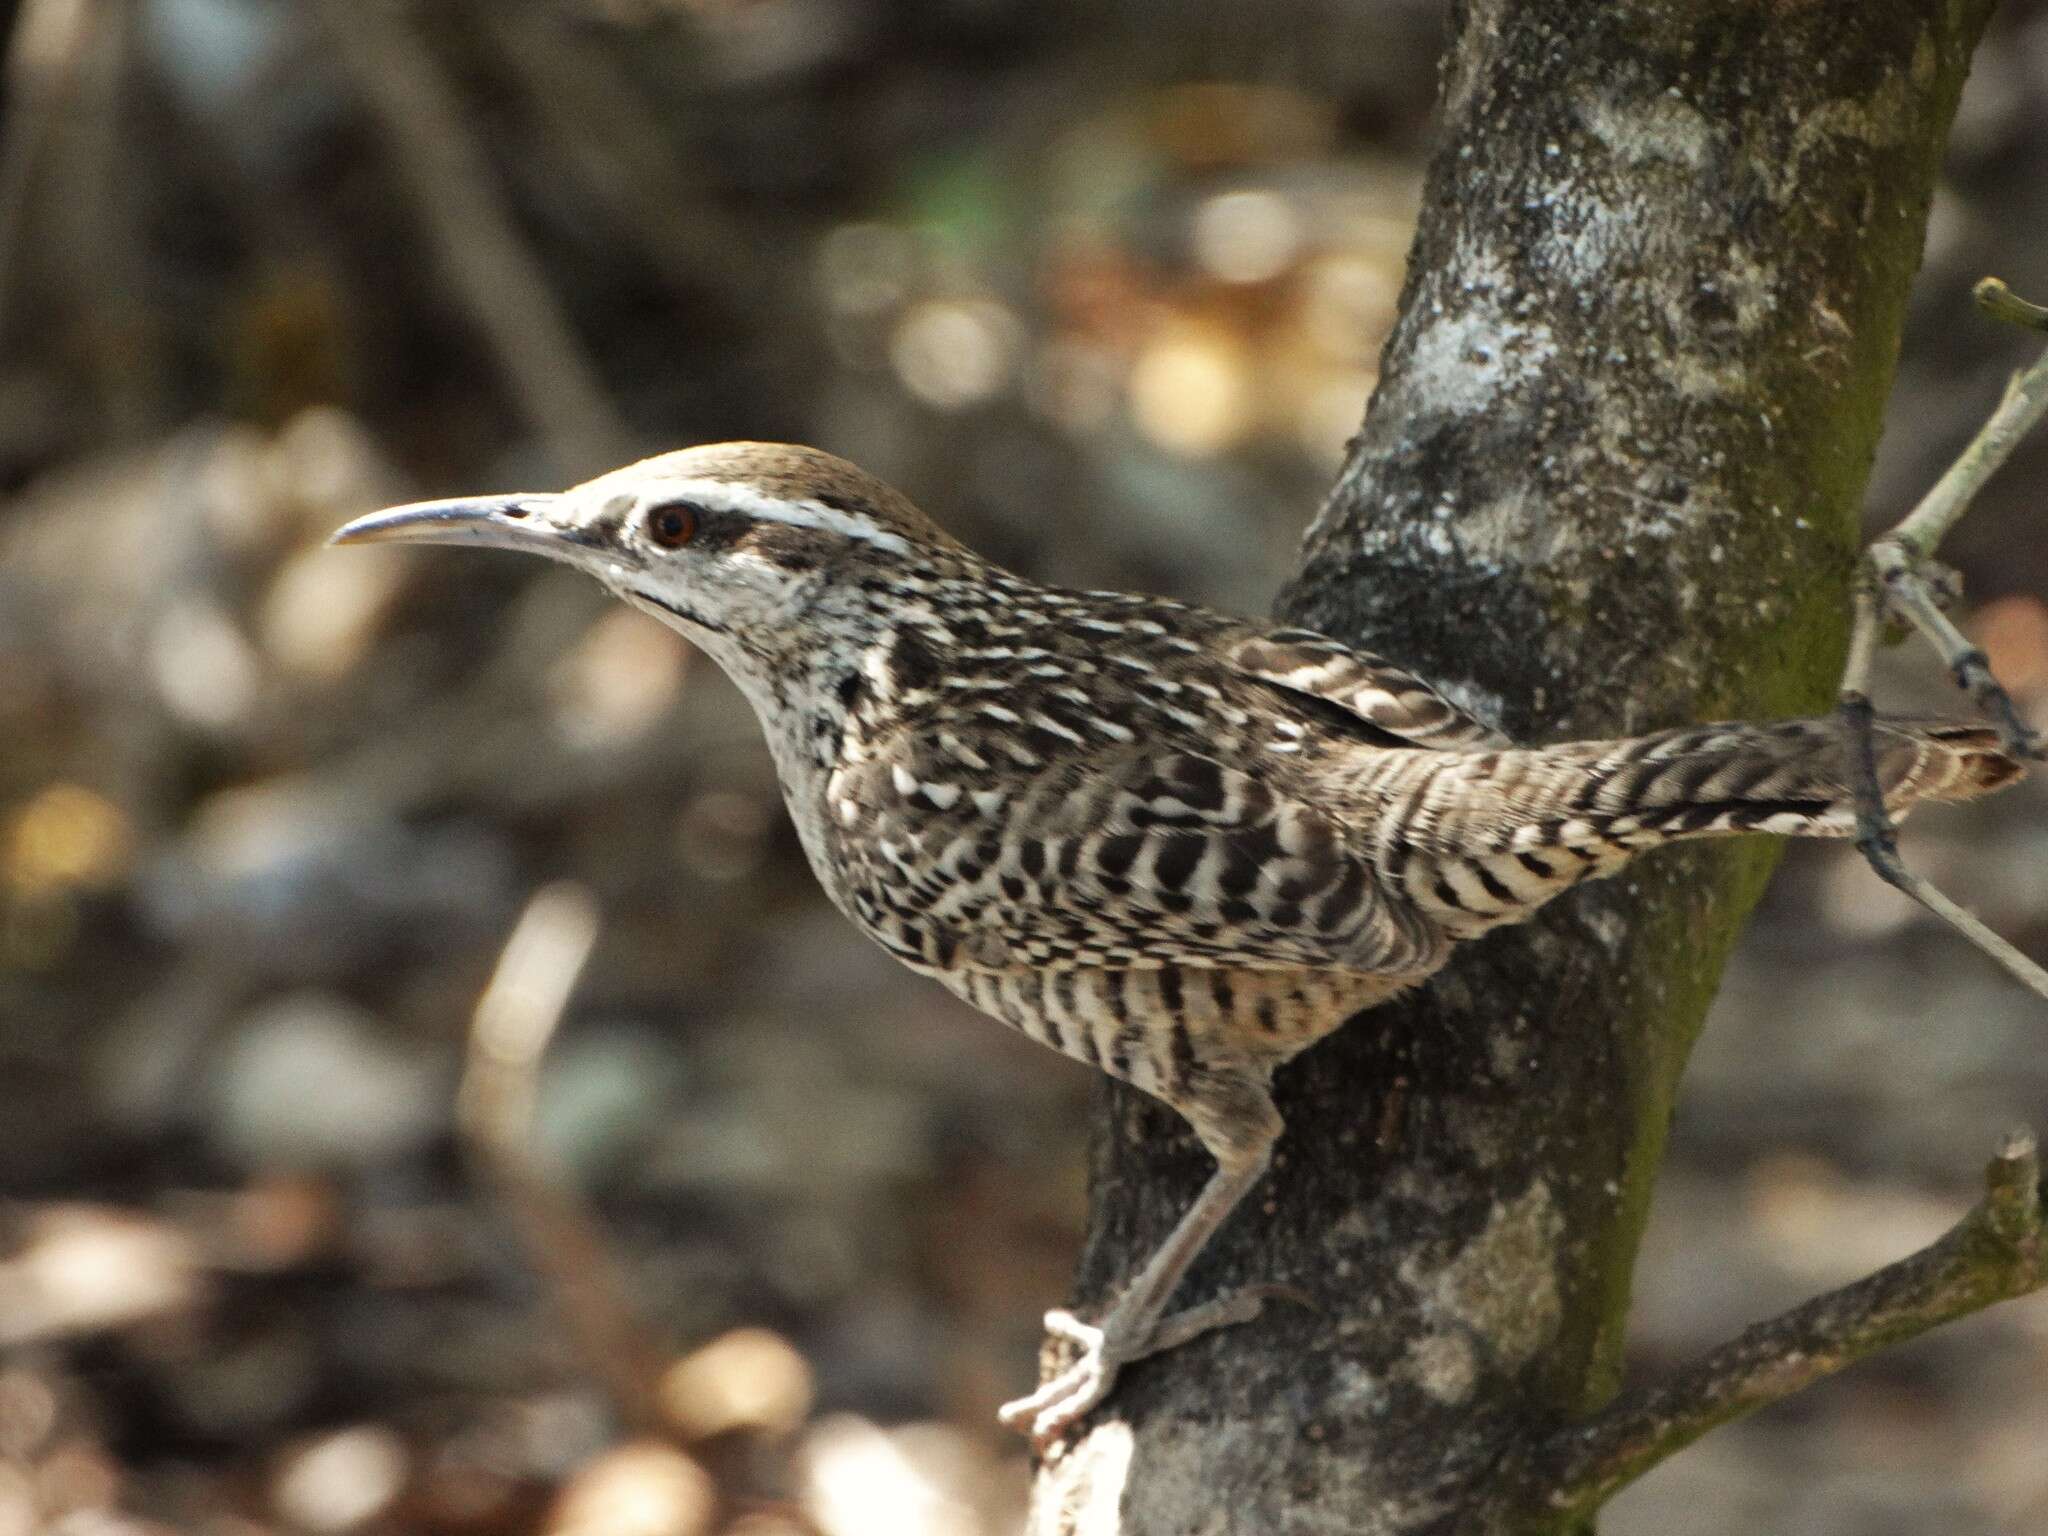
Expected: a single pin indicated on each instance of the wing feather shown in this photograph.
(1369, 688)
(1133, 859)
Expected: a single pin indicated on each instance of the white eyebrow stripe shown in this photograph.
(736, 496)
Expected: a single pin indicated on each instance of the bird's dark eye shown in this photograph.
(672, 526)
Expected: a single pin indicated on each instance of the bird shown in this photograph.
(1178, 846)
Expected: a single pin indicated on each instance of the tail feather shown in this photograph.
(1488, 837)
(1792, 777)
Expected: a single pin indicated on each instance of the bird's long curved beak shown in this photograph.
(518, 522)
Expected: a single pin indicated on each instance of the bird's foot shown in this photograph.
(1047, 1414)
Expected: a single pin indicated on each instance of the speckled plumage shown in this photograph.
(1175, 845)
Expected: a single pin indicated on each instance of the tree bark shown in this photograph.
(1610, 481)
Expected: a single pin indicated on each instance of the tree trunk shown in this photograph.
(1609, 482)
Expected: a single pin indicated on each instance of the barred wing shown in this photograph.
(1381, 696)
(1123, 859)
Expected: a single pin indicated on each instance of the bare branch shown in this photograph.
(1900, 579)
(40, 71)
(515, 1018)
(518, 1013)
(1993, 1254)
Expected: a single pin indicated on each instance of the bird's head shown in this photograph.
(728, 543)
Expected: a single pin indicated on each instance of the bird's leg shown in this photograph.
(1134, 1328)
(1136, 1325)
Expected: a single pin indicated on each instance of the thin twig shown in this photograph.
(518, 1013)
(1993, 1254)
(1905, 590)
(93, 227)
(493, 272)
(1896, 581)
(2021, 408)
(515, 1018)
(2001, 303)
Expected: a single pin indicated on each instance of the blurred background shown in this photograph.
(295, 1238)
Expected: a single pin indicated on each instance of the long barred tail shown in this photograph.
(1479, 839)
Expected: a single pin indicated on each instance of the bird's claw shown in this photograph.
(1047, 1414)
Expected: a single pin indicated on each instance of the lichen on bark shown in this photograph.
(1609, 482)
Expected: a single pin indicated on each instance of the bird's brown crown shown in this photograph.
(794, 473)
